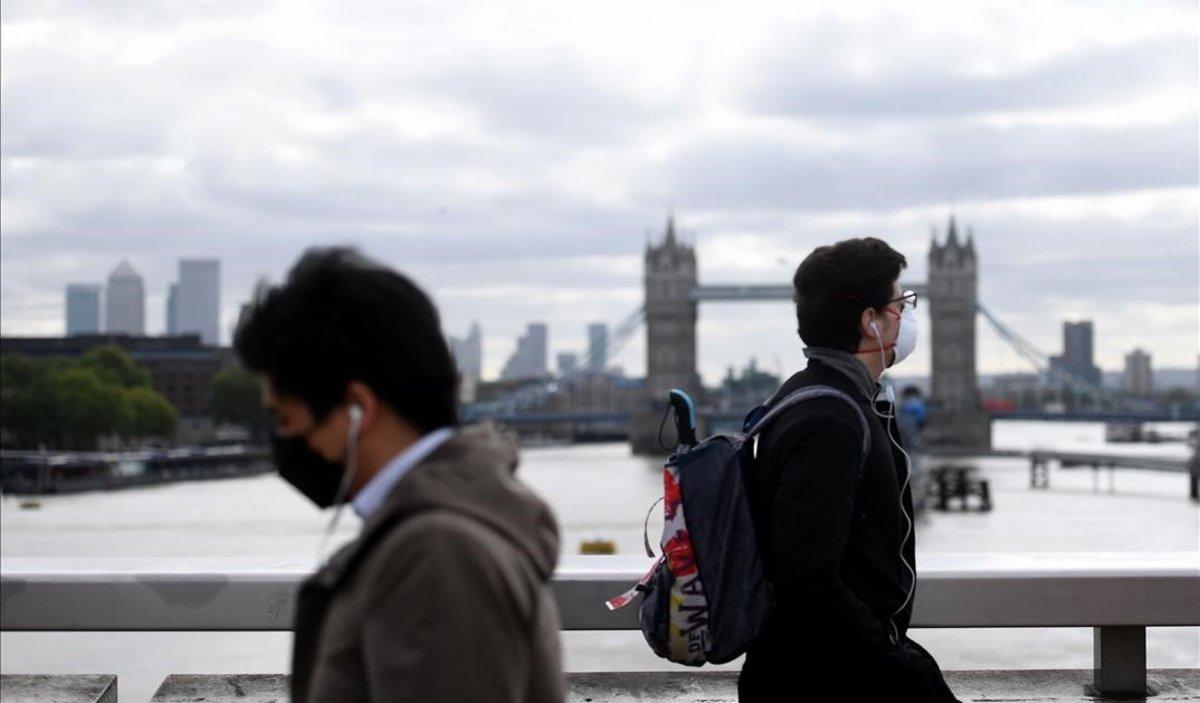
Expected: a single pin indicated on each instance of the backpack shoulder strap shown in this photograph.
(808, 393)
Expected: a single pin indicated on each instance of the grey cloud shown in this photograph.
(156, 14)
(1025, 258)
(70, 109)
(552, 95)
(253, 214)
(805, 79)
(1028, 261)
(912, 165)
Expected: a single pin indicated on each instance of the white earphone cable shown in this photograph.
(889, 416)
(347, 477)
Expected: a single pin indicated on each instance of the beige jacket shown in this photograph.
(444, 596)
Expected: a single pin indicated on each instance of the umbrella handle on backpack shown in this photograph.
(685, 417)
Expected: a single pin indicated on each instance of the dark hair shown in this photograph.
(910, 392)
(835, 283)
(342, 317)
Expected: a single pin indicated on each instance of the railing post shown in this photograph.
(1119, 659)
(1039, 472)
(1194, 475)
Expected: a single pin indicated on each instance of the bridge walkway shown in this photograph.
(720, 686)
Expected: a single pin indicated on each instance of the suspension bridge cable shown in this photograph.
(1041, 362)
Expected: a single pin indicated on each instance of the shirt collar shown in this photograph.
(372, 496)
(849, 365)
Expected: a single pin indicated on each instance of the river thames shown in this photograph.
(598, 492)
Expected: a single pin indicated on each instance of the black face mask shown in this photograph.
(307, 470)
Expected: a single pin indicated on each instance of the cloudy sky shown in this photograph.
(515, 159)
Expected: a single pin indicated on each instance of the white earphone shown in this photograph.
(355, 412)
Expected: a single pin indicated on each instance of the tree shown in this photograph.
(113, 365)
(26, 405)
(149, 414)
(63, 404)
(85, 408)
(237, 398)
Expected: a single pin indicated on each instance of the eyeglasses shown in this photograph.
(908, 299)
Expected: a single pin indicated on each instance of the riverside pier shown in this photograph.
(44, 473)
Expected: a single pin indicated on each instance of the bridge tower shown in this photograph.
(670, 276)
(956, 418)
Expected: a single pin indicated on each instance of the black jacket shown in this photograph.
(832, 547)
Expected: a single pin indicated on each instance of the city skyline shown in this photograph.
(193, 303)
(534, 167)
(1076, 357)
(194, 300)
(1076, 347)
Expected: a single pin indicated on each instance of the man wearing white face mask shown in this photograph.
(834, 520)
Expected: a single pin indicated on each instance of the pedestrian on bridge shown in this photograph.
(911, 419)
(833, 514)
(443, 596)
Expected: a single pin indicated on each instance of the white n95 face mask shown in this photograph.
(906, 339)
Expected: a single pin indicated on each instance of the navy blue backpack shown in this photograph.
(706, 598)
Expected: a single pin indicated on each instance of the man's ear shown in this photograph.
(360, 394)
(865, 322)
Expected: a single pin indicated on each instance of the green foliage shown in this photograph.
(237, 398)
(27, 409)
(64, 404)
(114, 366)
(85, 406)
(150, 415)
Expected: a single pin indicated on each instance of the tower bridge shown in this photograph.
(755, 293)
(673, 294)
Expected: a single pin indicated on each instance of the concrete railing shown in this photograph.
(1119, 595)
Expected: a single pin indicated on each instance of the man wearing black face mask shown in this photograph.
(443, 596)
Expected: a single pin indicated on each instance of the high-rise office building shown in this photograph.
(172, 313)
(568, 363)
(468, 352)
(195, 300)
(125, 302)
(468, 356)
(1139, 379)
(83, 308)
(1077, 358)
(1078, 343)
(529, 359)
(597, 354)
